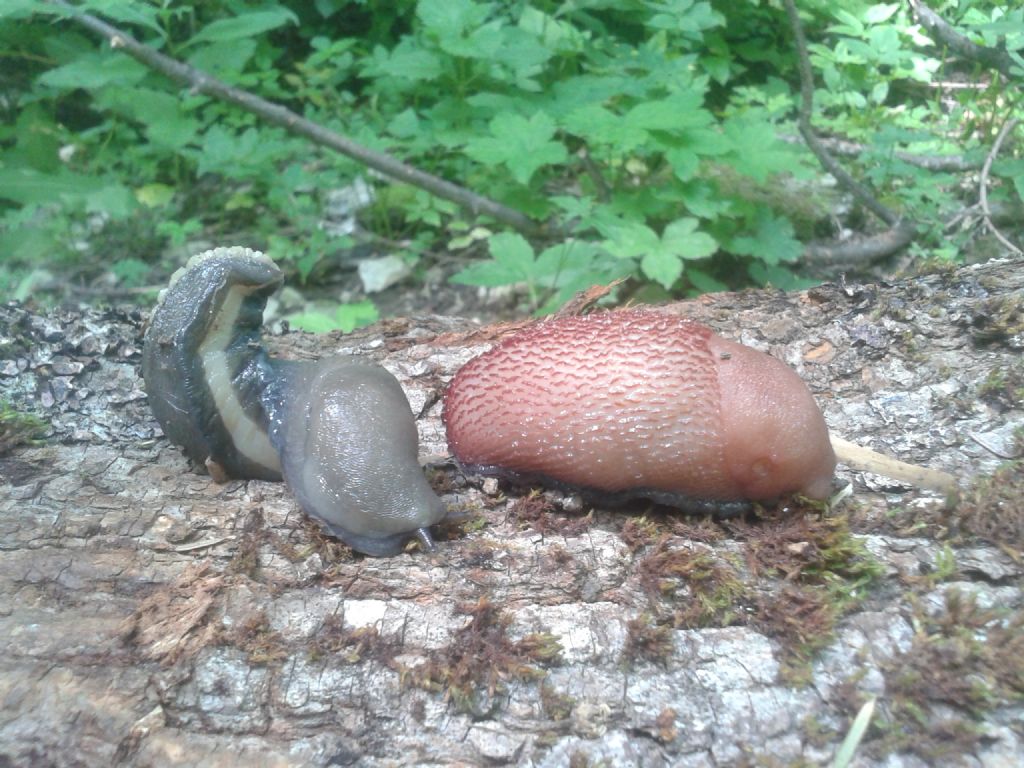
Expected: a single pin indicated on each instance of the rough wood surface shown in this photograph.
(151, 617)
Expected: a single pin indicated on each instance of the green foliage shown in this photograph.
(649, 127)
(345, 318)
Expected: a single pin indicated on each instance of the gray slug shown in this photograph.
(339, 431)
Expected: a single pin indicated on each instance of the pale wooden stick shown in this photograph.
(866, 460)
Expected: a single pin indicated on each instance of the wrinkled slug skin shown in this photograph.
(640, 400)
(348, 446)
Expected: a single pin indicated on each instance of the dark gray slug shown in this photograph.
(339, 431)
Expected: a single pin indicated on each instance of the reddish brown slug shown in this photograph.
(640, 403)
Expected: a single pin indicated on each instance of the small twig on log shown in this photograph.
(865, 460)
(902, 230)
(944, 34)
(1008, 126)
(290, 121)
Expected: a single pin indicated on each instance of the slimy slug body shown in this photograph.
(640, 403)
(339, 431)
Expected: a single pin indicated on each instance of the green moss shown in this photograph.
(964, 661)
(647, 640)
(826, 572)
(998, 319)
(993, 508)
(557, 706)
(704, 590)
(474, 669)
(1003, 388)
(332, 641)
(18, 428)
(261, 643)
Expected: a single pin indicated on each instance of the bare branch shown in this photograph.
(864, 249)
(278, 115)
(937, 163)
(944, 34)
(1008, 126)
(901, 229)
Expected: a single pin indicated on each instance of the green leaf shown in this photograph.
(130, 271)
(844, 755)
(661, 257)
(451, 17)
(778, 277)
(95, 70)
(346, 318)
(248, 24)
(225, 58)
(166, 124)
(772, 241)
(126, 13)
(114, 199)
(757, 152)
(521, 145)
(682, 237)
(27, 186)
(662, 267)
(406, 61)
(600, 126)
(22, 9)
(511, 250)
(703, 282)
(681, 110)
(876, 14)
(511, 262)
(154, 195)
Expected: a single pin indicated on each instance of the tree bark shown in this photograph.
(152, 617)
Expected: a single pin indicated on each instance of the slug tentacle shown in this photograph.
(339, 431)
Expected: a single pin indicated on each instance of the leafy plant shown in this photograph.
(645, 132)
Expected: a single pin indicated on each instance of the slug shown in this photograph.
(339, 431)
(640, 403)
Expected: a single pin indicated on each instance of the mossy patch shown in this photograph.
(538, 512)
(18, 428)
(826, 572)
(997, 320)
(993, 508)
(964, 661)
(704, 589)
(258, 640)
(1003, 388)
(474, 669)
(333, 641)
(647, 640)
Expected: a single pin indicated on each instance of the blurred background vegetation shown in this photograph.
(660, 135)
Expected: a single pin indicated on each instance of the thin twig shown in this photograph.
(861, 192)
(854, 252)
(865, 460)
(944, 34)
(278, 115)
(902, 231)
(937, 163)
(1008, 126)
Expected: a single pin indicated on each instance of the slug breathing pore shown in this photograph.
(339, 431)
